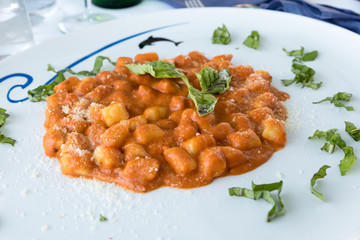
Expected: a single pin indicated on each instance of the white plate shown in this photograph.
(38, 202)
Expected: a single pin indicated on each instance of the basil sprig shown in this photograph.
(320, 174)
(303, 74)
(340, 96)
(42, 92)
(253, 40)
(212, 82)
(221, 35)
(352, 131)
(263, 191)
(3, 138)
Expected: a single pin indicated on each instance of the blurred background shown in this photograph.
(48, 19)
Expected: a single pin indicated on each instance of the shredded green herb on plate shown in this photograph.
(340, 96)
(333, 138)
(304, 75)
(253, 40)
(102, 218)
(221, 35)
(263, 191)
(320, 174)
(352, 131)
(3, 138)
(349, 159)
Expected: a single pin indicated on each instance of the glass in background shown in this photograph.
(83, 20)
(15, 28)
(39, 6)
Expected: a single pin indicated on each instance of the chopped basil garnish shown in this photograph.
(263, 191)
(157, 69)
(310, 56)
(320, 174)
(303, 74)
(221, 35)
(42, 92)
(102, 218)
(334, 139)
(348, 161)
(340, 96)
(3, 138)
(352, 131)
(300, 56)
(3, 117)
(253, 40)
(8, 140)
(211, 81)
(331, 136)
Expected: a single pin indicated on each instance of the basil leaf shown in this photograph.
(320, 174)
(221, 35)
(348, 161)
(340, 96)
(301, 56)
(102, 218)
(294, 53)
(253, 40)
(263, 191)
(311, 56)
(212, 81)
(204, 102)
(42, 92)
(3, 116)
(8, 140)
(352, 131)
(157, 69)
(288, 82)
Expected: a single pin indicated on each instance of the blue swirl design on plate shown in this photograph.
(30, 78)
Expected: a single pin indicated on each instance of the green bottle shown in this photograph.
(115, 3)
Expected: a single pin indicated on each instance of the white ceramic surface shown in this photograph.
(38, 202)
